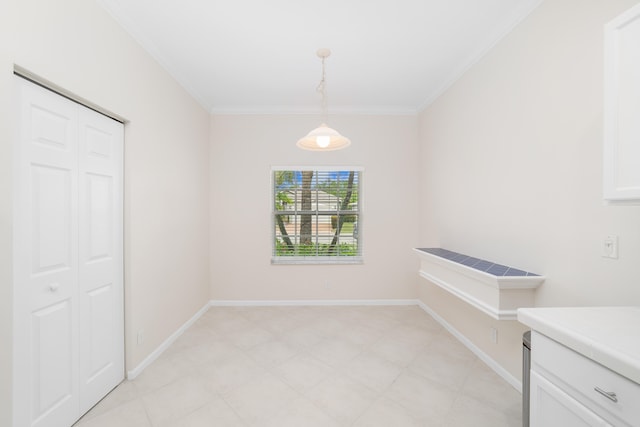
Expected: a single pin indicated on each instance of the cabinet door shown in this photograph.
(551, 407)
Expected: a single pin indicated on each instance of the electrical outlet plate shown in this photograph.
(610, 247)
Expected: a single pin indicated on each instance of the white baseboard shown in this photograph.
(131, 374)
(506, 375)
(268, 303)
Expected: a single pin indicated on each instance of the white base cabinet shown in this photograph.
(550, 406)
(571, 390)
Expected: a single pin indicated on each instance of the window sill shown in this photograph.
(317, 260)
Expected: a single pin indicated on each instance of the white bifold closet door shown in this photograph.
(68, 258)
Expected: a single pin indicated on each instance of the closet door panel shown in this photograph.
(68, 258)
(45, 259)
(101, 268)
(52, 245)
(52, 374)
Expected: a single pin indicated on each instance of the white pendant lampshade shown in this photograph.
(323, 138)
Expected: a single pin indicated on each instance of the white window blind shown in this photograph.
(317, 215)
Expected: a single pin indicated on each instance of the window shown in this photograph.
(317, 215)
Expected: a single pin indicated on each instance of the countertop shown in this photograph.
(607, 335)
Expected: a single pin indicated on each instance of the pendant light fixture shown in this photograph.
(323, 138)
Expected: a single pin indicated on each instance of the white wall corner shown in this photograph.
(133, 373)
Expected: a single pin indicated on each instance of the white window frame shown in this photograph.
(316, 259)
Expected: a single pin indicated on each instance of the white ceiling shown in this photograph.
(256, 56)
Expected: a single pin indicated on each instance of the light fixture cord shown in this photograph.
(322, 89)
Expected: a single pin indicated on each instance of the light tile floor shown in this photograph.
(313, 366)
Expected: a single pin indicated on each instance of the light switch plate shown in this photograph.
(610, 247)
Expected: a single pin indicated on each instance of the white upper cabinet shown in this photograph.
(622, 107)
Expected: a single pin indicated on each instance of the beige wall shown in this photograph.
(76, 45)
(512, 171)
(243, 150)
(6, 291)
